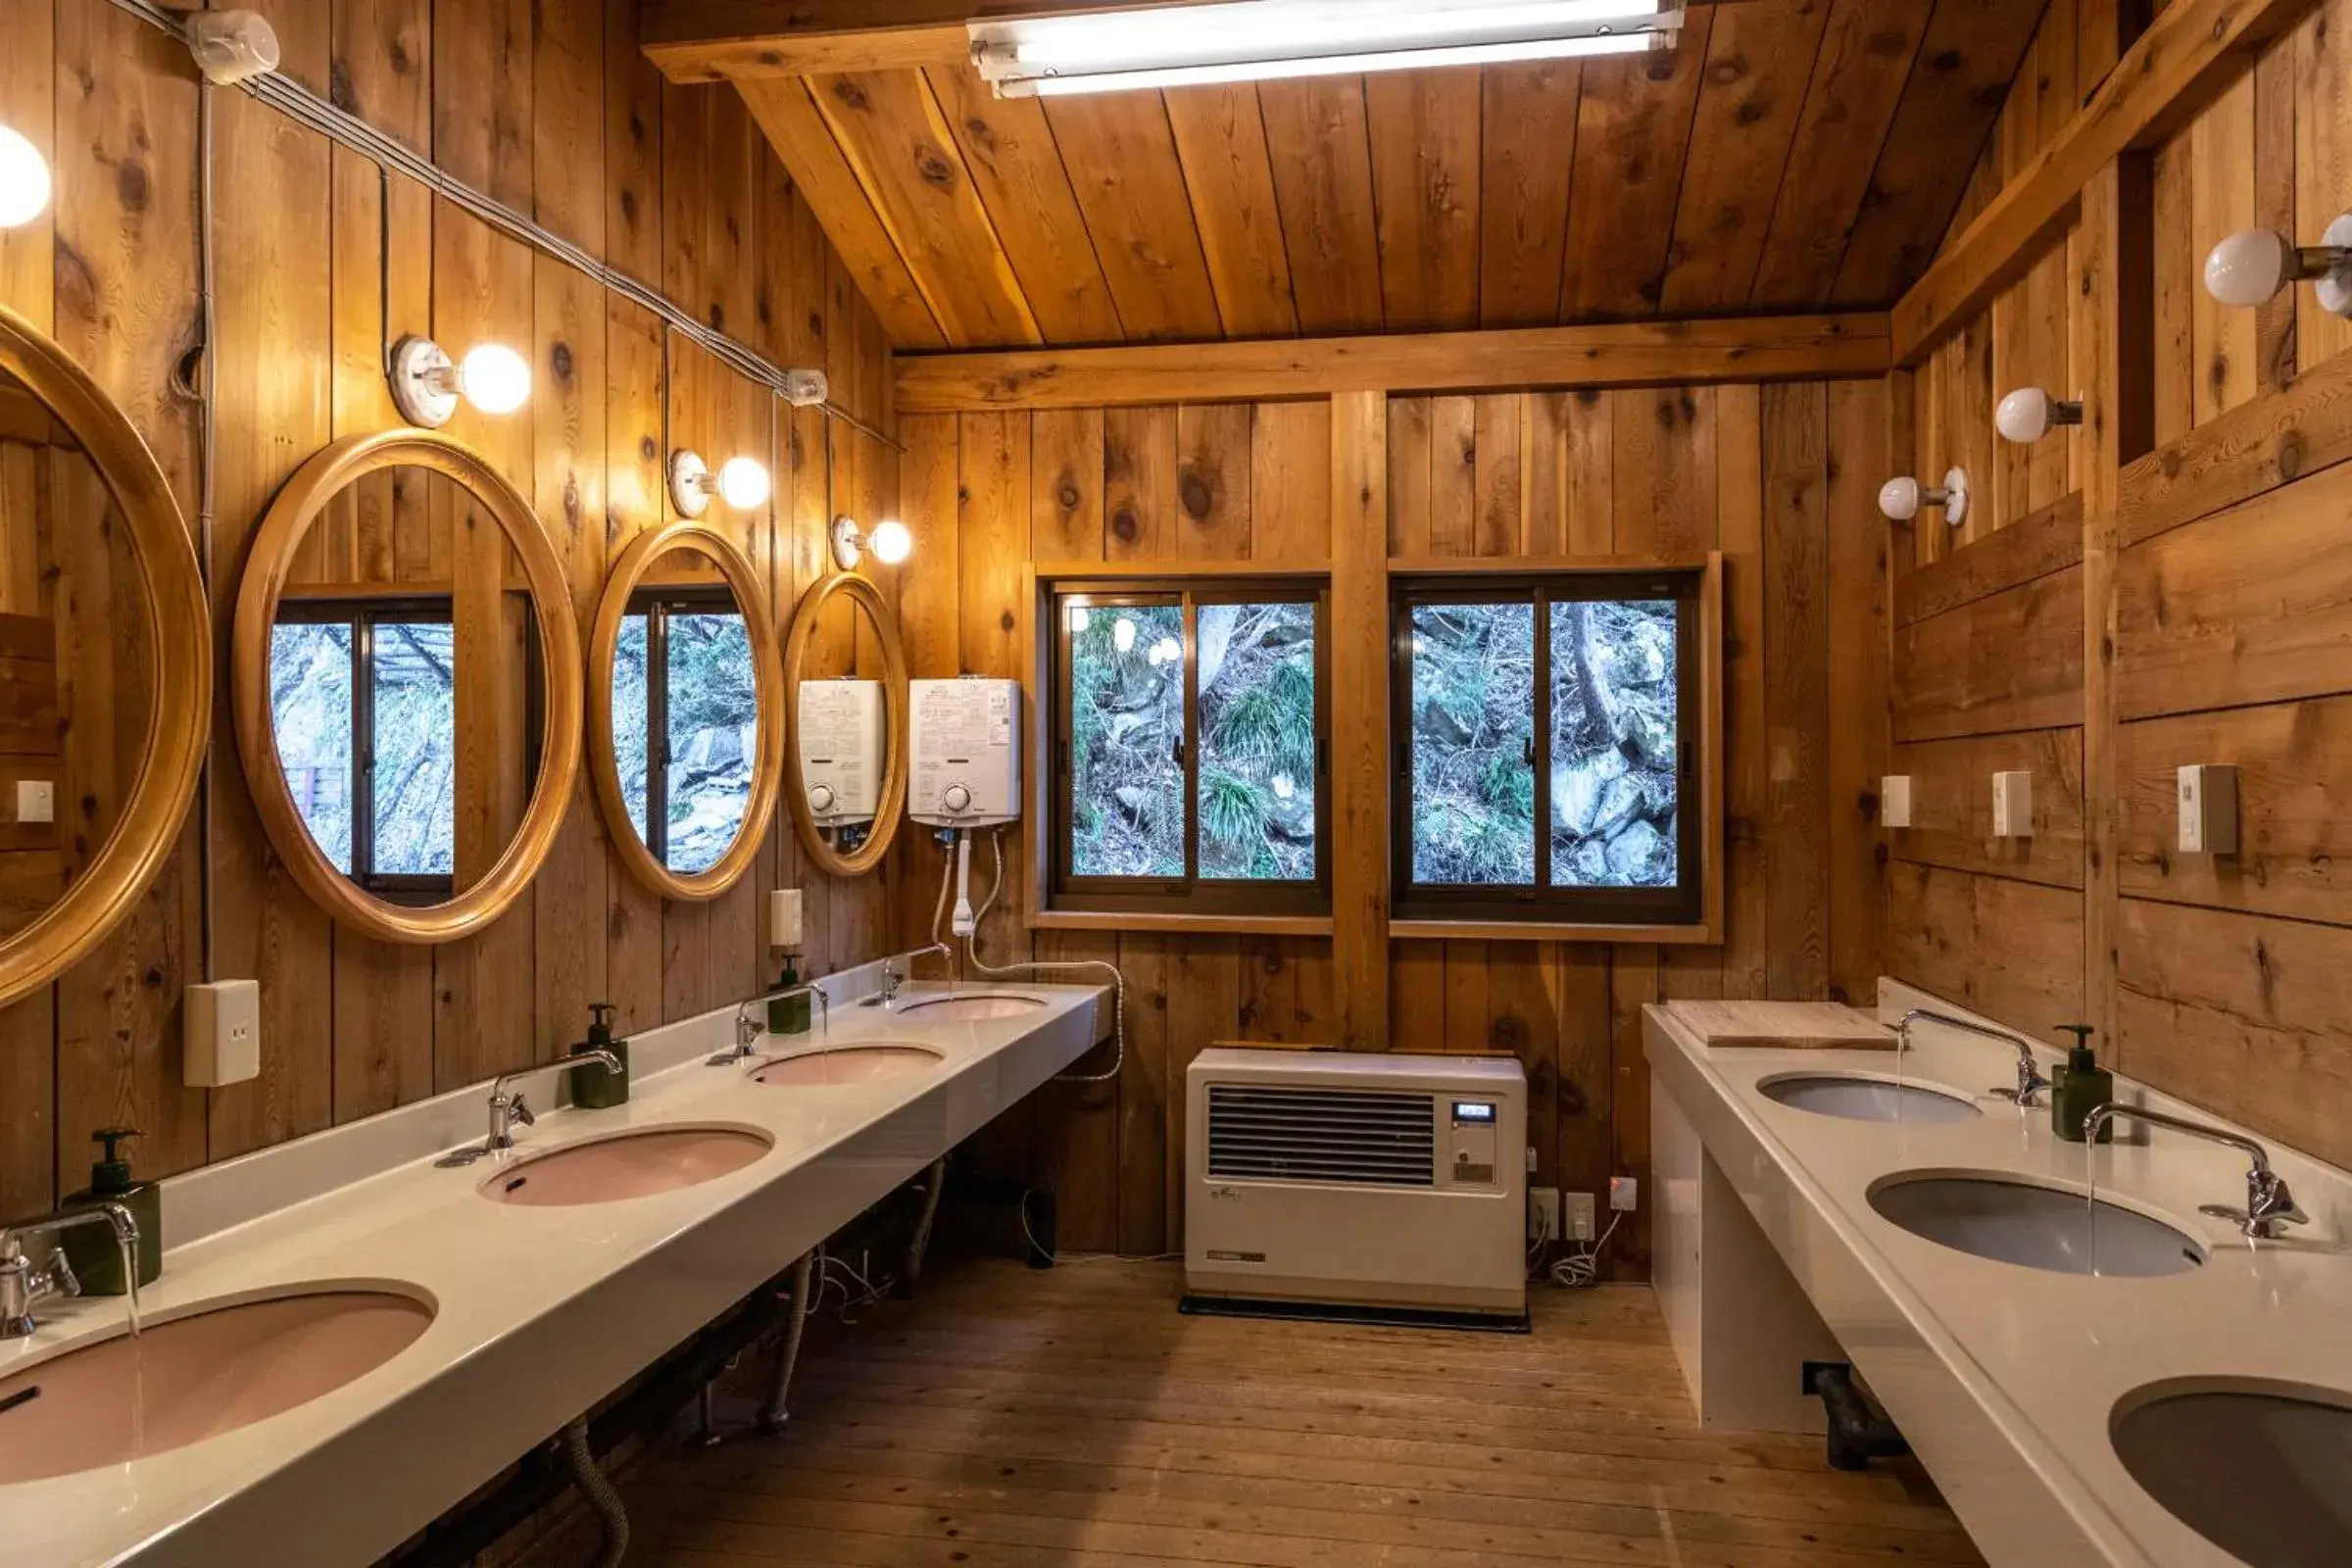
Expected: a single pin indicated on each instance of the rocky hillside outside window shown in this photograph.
(1189, 747)
(1544, 754)
(685, 723)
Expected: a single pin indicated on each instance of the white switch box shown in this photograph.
(1624, 1193)
(1894, 801)
(1580, 1216)
(36, 801)
(2207, 810)
(1544, 1213)
(2012, 806)
(224, 1036)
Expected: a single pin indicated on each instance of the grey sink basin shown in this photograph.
(2032, 1226)
(1856, 1098)
(2262, 1470)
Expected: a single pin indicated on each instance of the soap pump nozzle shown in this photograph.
(111, 1174)
(2079, 1058)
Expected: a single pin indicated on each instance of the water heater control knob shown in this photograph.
(956, 798)
(821, 798)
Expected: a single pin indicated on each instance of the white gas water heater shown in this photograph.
(964, 744)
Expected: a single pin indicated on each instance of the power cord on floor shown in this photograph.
(1580, 1269)
(1060, 1258)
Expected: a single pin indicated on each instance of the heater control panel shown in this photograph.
(1476, 1135)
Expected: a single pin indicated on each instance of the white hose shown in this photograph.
(610, 1511)
(971, 944)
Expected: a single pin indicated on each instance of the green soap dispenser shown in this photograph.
(2080, 1087)
(789, 1015)
(596, 1087)
(91, 1250)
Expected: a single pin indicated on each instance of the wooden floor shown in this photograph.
(1011, 1419)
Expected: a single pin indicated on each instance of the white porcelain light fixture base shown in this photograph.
(890, 543)
(690, 484)
(426, 385)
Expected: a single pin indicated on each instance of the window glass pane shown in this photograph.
(630, 720)
(1473, 727)
(1127, 806)
(714, 737)
(310, 711)
(415, 772)
(1257, 740)
(1614, 723)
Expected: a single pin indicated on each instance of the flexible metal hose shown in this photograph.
(610, 1513)
(773, 1416)
(972, 948)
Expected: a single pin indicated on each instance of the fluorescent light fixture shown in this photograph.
(1259, 40)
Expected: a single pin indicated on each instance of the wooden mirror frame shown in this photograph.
(891, 810)
(179, 629)
(768, 679)
(275, 547)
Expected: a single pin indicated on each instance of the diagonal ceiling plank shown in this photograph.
(1530, 146)
(1322, 161)
(1130, 184)
(1750, 94)
(1221, 141)
(801, 137)
(1424, 130)
(1017, 168)
(1866, 54)
(1633, 131)
(896, 141)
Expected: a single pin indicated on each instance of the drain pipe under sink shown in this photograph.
(610, 1515)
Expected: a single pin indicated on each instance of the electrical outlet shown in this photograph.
(1544, 1213)
(1580, 1216)
(1624, 1194)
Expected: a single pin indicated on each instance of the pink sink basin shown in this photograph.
(848, 1064)
(632, 1165)
(198, 1377)
(971, 1007)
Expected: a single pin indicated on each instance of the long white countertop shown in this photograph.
(539, 1312)
(2004, 1378)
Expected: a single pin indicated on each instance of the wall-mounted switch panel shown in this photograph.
(1544, 1213)
(36, 801)
(2207, 810)
(1624, 1192)
(223, 1035)
(1894, 800)
(2012, 806)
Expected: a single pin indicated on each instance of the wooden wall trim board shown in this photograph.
(2050, 540)
(1359, 668)
(2009, 661)
(1623, 354)
(2188, 54)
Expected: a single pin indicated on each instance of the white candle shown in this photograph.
(784, 917)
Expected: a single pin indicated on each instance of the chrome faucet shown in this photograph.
(893, 977)
(2030, 1081)
(506, 1110)
(22, 1287)
(2269, 1203)
(750, 1028)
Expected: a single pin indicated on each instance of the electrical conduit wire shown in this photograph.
(315, 113)
(971, 946)
(610, 1513)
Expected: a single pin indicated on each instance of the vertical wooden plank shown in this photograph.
(632, 148)
(1543, 454)
(1290, 481)
(1213, 481)
(1664, 487)
(1796, 694)
(2322, 97)
(1746, 731)
(1857, 711)
(993, 544)
(1588, 465)
(1078, 1123)
(635, 392)
(1529, 111)
(1632, 986)
(1359, 668)
(1204, 1007)
(1453, 476)
(1499, 493)
(1585, 1068)
(1150, 1107)
(2274, 129)
(1139, 483)
(1409, 498)
(929, 604)
(2176, 267)
(28, 107)
(2220, 203)
(1065, 467)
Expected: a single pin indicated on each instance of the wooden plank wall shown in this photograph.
(553, 110)
(2224, 980)
(1781, 478)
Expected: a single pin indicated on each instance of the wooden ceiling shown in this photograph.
(1791, 154)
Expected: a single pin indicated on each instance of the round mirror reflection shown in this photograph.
(841, 734)
(685, 714)
(78, 669)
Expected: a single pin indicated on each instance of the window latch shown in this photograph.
(1529, 752)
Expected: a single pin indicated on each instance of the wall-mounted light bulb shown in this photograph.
(24, 184)
(2255, 264)
(743, 483)
(890, 543)
(426, 385)
(1900, 499)
(2028, 413)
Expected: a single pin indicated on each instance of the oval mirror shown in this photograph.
(846, 673)
(106, 668)
(407, 686)
(687, 699)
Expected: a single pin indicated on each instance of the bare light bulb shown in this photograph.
(890, 543)
(495, 379)
(1899, 499)
(2028, 413)
(24, 184)
(2249, 268)
(743, 483)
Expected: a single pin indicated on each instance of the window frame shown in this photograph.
(1190, 895)
(658, 602)
(364, 614)
(1690, 904)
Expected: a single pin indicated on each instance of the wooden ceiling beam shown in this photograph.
(1624, 354)
(2188, 56)
(711, 40)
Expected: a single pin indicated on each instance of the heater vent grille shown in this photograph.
(1362, 1136)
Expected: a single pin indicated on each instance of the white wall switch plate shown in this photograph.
(1894, 801)
(36, 800)
(223, 1035)
(1544, 1213)
(1580, 1216)
(2207, 810)
(2012, 806)
(1624, 1194)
